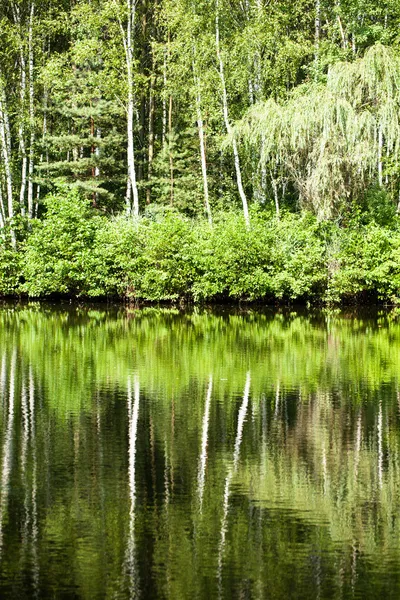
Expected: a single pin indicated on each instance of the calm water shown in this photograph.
(158, 454)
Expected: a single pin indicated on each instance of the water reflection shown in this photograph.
(133, 414)
(228, 479)
(204, 444)
(7, 446)
(159, 454)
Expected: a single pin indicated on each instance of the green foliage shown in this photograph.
(58, 254)
(10, 268)
(365, 259)
(166, 256)
(333, 140)
(272, 259)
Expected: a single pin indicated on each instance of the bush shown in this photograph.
(77, 252)
(58, 254)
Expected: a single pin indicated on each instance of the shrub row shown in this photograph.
(75, 251)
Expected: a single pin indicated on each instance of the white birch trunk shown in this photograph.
(21, 133)
(128, 43)
(2, 210)
(31, 113)
(21, 126)
(129, 50)
(131, 209)
(6, 153)
(227, 122)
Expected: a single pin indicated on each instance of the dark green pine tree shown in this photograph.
(84, 145)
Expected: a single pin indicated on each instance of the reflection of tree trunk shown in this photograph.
(380, 446)
(358, 447)
(24, 447)
(34, 485)
(133, 415)
(171, 460)
(277, 396)
(7, 449)
(3, 379)
(204, 443)
(231, 472)
(166, 475)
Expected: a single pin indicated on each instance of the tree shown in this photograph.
(333, 140)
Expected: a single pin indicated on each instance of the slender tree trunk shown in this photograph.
(5, 138)
(317, 32)
(226, 119)
(127, 39)
(164, 102)
(171, 158)
(380, 148)
(203, 157)
(151, 136)
(31, 113)
(2, 211)
(44, 133)
(22, 93)
(21, 133)
(276, 197)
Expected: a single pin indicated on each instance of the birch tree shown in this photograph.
(226, 117)
(332, 138)
(5, 142)
(127, 28)
(31, 109)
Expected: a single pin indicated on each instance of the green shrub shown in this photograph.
(10, 269)
(75, 251)
(58, 254)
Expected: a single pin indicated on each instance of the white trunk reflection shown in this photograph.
(133, 413)
(7, 449)
(204, 444)
(228, 480)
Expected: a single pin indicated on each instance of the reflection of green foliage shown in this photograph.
(85, 348)
(315, 488)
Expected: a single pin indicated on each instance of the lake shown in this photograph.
(158, 453)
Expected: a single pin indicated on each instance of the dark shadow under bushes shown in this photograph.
(75, 251)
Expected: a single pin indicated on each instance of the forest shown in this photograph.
(172, 150)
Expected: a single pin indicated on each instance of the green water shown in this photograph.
(161, 454)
